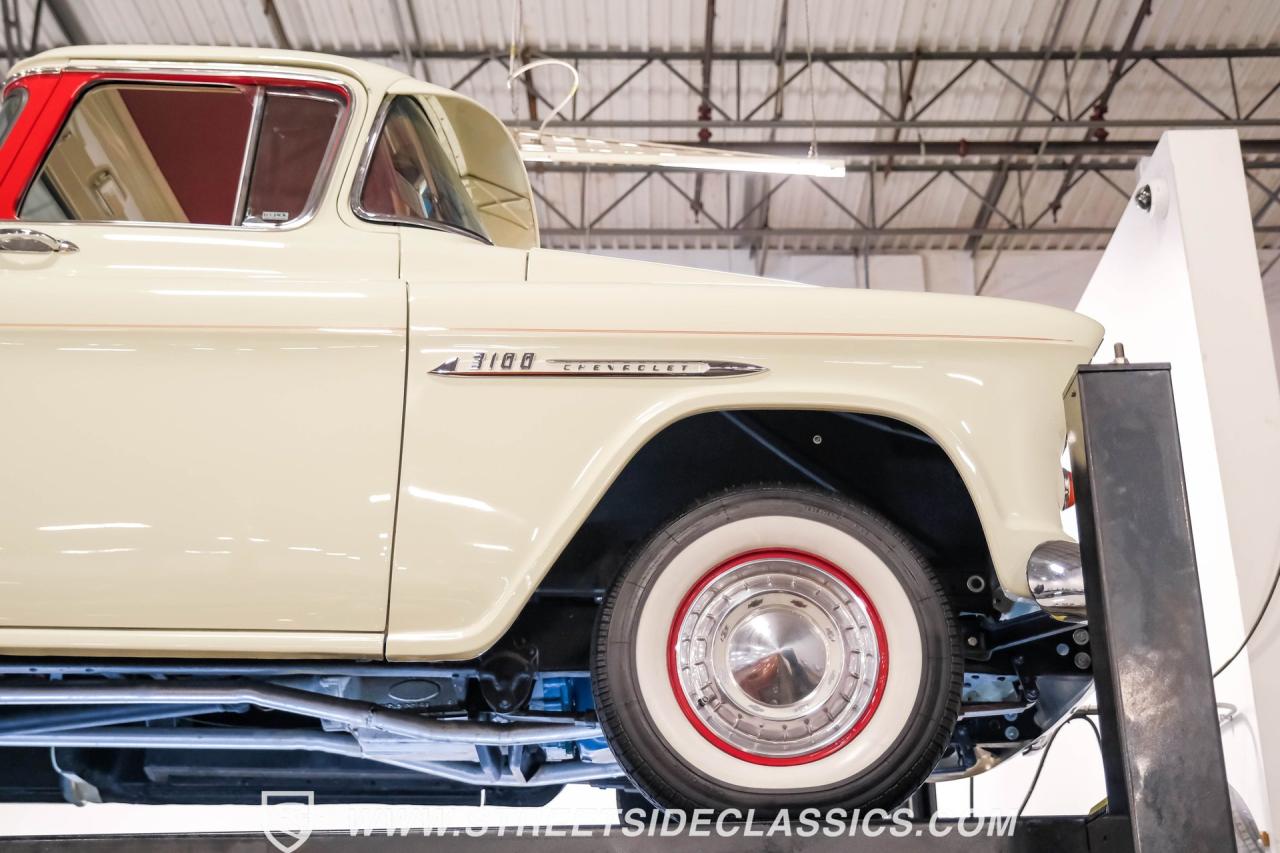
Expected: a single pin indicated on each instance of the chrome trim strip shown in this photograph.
(195, 68)
(31, 72)
(1056, 579)
(712, 368)
(366, 155)
(250, 152)
(597, 367)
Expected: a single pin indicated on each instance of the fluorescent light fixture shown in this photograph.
(558, 148)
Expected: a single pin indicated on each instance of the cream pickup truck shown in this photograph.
(320, 473)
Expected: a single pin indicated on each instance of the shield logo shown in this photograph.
(286, 818)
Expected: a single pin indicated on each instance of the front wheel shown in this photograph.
(777, 648)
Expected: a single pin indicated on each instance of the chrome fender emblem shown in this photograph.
(494, 363)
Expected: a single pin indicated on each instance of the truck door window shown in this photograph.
(206, 155)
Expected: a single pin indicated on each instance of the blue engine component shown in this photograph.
(570, 694)
(562, 694)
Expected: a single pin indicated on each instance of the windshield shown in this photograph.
(9, 110)
(411, 176)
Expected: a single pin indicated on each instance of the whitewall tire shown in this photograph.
(777, 647)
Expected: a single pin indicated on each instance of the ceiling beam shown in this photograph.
(1126, 58)
(906, 88)
(68, 20)
(779, 99)
(1000, 180)
(1125, 164)
(274, 21)
(906, 124)
(965, 149)
(12, 31)
(823, 56)
(851, 232)
(704, 106)
(410, 37)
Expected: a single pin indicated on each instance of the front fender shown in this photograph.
(500, 471)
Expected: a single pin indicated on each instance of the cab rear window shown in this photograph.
(198, 154)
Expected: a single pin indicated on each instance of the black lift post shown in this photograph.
(1162, 747)
(1162, 753)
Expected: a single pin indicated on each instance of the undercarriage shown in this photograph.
(506, 729)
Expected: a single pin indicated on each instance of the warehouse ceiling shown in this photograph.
(1012, 124)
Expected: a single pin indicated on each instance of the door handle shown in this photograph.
(32, 242)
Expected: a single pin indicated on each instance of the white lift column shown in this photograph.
(1179, 283)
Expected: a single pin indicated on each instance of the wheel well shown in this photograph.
(889, 465)
(886, 464)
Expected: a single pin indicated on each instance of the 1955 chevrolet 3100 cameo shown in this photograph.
(319, 473)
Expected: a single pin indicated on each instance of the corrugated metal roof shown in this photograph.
(384, 27)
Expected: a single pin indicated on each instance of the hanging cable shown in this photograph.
(517, 29)
(1253, 629)
(813, 95)
(1077, 715)
(514, 72)
(564, 102)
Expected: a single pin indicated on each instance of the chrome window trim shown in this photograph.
(357, 184)
(206, 69)
(31, 72)
(324, 177)
(250, 154)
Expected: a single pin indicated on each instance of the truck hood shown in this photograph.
(634, 294)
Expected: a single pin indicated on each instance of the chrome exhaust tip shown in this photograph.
(1056, 579)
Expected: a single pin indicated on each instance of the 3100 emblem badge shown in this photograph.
(515, 363)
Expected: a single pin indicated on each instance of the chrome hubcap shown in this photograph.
(777, 656)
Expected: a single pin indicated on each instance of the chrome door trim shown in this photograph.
(250, 152)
